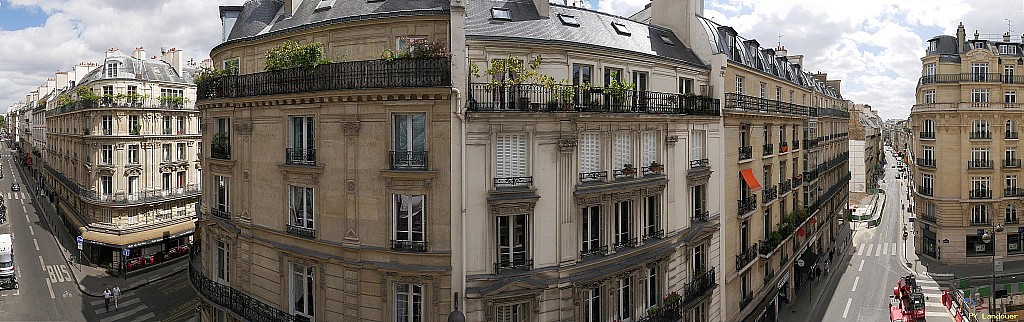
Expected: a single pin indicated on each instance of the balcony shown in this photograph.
(593, 176)
(295, 156)
(981, 135)
(523, 264)
(576, 98)
(587, 252)
(983, 222)
(699, 285)
(513, 182)
(138, 198)
(927, 191)
(1011, 220)
(1013, 192)
(979, 164)
(125, 102)
(767, 149)
(746, 205)
(797, 180)
(927, 217)
(746, 153)
(219, 213)
(1011, 135)
(810, 143)
(650, 233)
(408, 160)
(746, 256)
(220, 151)
(625, 243)
(769, 194)
(925, 163)
(769, 275)
(301, 231)
(785, 186)
(796, 144)
(700, 217)
(701, 163)
(746, 299)
(980, 194)
(238, 302)
(746, 103)
(409, 245)
(971, 78)
(1011, 163)
(380, 73)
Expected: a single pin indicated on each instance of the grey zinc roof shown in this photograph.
(595, 30)
(133, 68)
(260, 17)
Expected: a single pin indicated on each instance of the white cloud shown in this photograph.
(623, 8)
(81, 31)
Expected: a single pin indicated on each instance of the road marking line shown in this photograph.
(878, 250)
(894, 248)
(124, 314)
(41, 263)
(855, 281)
(34, 242)
(870, 247)
(50, 288)
(860, 250)
(885, 250)
(31, 231)
(861, 268)
(847, 310)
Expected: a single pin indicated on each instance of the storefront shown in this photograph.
(805, 267)
(137, 250)
(929, 243)
(774, 301)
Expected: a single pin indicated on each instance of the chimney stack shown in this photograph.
(797, 60)
(111, 51)
(62, 79)
(174, 57)
(139, 53)
(834, 84)
(679, 16)
(781, 51)
(290, 6)
(543, 8)
(1006, 37)
(961, 37)
(822, 77)
(228, 16)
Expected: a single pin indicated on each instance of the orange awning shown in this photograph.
(748, 176)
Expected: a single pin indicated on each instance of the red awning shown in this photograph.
(748, 176)
(814, 221)
(800, 232)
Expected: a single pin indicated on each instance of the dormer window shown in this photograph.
(324, 5)
(667, 40)
(1007, 50)
(111, 70)
(501, 14)
(568, 20)
(620, 28)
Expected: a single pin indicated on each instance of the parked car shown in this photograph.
(15, 187)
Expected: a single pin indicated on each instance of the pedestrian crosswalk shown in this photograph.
(129, 308)
(879, 249)
(933, 298)
(15, 195)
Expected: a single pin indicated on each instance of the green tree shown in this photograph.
(291, 54)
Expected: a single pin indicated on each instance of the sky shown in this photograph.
(873, 46)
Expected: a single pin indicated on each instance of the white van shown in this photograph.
(6, 258)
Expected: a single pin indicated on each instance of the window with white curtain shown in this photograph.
(697, 145)
(302, 286)
(590, 152)
(222, 263)
(625, 308)
(648, 148)
(511, 155)
(623, 149)
(409, 217)
(979, 214)
(512, 313)
(408, 302)
(301, 206)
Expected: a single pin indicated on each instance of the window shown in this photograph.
(1011, 214)
(408, 302)
(620, 28)
(648, 148)
(181, 180)
(739, 85)
(699, 258)
(107, 154)
(623, 223)
(324, 5)
(764, 90)
(623, 149)
(979, 154)
(624, 307)
(1007, 50)
(767, 133)
(220, 197)
(980, 185)
(222, 263)
(168, 123)
(511, 313)
(171, 98)
(232, 66)
(511, 156)
(221, 147)
(782, 133)
(166, 181)
(133, 187)
(107, 121)
(501, 14)
(590, 152)
(1008, 74)
(106, 186)
(1014, 243)
(182, 127)
(568, 20)
(302, 286)
(651, 294)
(111, 70)
(409, 141)
(1010, 154)
(108, 95)
(133, 154)
(301, 206)
(302, 140)
(512, 240)
(979, 95)
(744, 137)
(652, 217)
(767, 222)
(979, 72)
(929, 153)
(590, 234)
(409, 218)
(929, 70)
(929, 126)
(697, 145)
(582, 74)
(134, 128)
(592, 305)
(181, 151)
(685, 85)
(927, 181)
(980, 126)
(167, 152)
(929, 96)
(778, 93)
(978, 247)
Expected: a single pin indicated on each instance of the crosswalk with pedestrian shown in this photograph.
(129, 308)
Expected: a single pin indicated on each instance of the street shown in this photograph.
(48, 286)
(868, 278)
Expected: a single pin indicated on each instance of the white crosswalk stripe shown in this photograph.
(885, 250)
(129, 308)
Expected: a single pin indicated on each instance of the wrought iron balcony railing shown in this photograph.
(141, 197)
(222, 152)
(700, 163)
(599, 250)
(746, 299)
(1013, 192)
(797, 181)
(301, 231)
(926, 163)
(796, 144)
(746, 153)
(769, 194)
(594, 176)
(576, 98)
(127, 102)
(981, 194)
(238, 302)
(651, 233)
(785, 186)
(980, 222)
(927, 191)
(220, 213)
(927, 217)
(764, 105)
(700, 216)
(510, 182)
(1011, 220)
(746, 256)
(746, 205)
(767, 149)
(408, 160)
(297, 156)
(524, 264)
(981, 135)
(1011, 163)
(625, 243)
(1011, 135)
(979, 164)
(699, 285)
(380, 73)
(971, 78)
(409, 245)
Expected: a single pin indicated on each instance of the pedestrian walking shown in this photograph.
(826, 274)
(106, 299)
(117, 295)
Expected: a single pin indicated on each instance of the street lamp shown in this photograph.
(990, 237)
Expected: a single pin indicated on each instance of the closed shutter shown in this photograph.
(697, 146)
(622, 149)
(590, 152)
(649, 148)
(511, 155)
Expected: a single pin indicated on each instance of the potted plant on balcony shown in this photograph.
(510, 74)
(87, 97)
(628, 169)
(656, 167)
(671, 298)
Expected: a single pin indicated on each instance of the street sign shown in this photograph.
(904, 235)
(79, 245)
(800, 262)
(999, 265)
(125, 252)
(80, 239)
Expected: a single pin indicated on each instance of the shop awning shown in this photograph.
(139, 238)
(810, 259)
(748, 177)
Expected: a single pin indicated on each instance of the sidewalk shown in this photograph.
(91, 280)
(804, 305)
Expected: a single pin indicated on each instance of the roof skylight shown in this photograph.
(667, 40)
(501, 14)
(620, 28)
(568, 20)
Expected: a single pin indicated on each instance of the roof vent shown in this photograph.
(620, 28)
(501, 14)
(568, 20)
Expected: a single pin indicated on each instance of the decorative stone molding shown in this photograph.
(350, 128)
(568, 144)
(245, 175)
(408, 179)
(590, 200)
(308, 178)
(133, 170)
(389, 279)
(165, 168)
(671, 140)
(243, 127)
(350, 186)
(513, 208)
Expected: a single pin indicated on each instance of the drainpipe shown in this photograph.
(461, 115)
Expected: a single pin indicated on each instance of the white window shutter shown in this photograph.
(590, 152)
(518, 155)
(649, 148)
(697, 145)
(622, 150)
(502, 159)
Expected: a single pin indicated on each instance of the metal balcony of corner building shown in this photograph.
(367, 74)
(971, 78)
(523, 98)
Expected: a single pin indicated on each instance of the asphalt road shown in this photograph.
(862, 293)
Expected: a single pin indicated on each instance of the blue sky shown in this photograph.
(14, 18)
